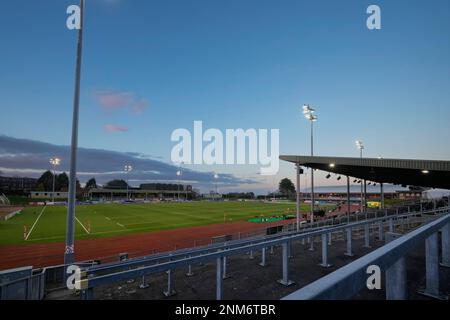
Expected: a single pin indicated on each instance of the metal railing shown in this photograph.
(347, 281)
(92, 280)
(36, 285)
(237, 241)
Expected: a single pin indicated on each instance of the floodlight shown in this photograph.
(359, 144)
(55, 161)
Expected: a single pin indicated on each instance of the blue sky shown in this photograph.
(154, 66)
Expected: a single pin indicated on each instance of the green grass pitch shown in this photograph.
(105, 220)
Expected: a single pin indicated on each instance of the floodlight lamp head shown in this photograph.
(359, 144)
(55, 161)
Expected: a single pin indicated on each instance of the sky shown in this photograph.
(151, 67)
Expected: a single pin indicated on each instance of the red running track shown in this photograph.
(49, 254)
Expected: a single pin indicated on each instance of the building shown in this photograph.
(59, 195)
(138, 194)
(409, 195)
(14, 184)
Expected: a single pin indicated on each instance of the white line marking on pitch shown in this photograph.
(29, 233)
(121, 225)
(107, 218)
(82, 225)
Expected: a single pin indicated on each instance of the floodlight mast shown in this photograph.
(360, 146)
(69, 252)
(216, 176)
(128, 169)
(179, 173)
(54, 162)
(308, 112)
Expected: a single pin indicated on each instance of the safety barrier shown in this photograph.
(257, 236)
(28, 284)
(92, 280)
(35, 284)
(350, 279)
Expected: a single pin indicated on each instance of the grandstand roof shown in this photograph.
(424, 173)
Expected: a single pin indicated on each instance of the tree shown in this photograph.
(62, 182)
(116, 184)
(46, 181)
(286, 187)
(91, 184)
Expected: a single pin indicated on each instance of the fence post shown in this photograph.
(380, 230)
(349, 252)
(311, 247)
(224, 271)
(263, 257)
(396, 281)
(325, 263)
(290, 250)
(445, 235)
(366, 236)
(143, 285)
(391, 225)
(285, 281)
(189, 273)
(329, 239)
(219, 279)
(170, 291)
(432, 267)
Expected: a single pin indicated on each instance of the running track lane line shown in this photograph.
(82, 225)
(34, 224)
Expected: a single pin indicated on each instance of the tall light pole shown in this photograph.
(128, 168)
(216, 176)
(308, 112)
(70, 228)
(360, 146)
(299, 171)
(179, 173)
(54, 162)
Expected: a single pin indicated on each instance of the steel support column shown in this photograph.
(366, 235)
(170, 291)
(380, 230)
(285, 281)
(219, 279)
(445, 238)
(349, 252)
(432, 267)
(396, 281)
(263, 257)
(325, 263)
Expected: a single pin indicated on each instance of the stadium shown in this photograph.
(94, 206)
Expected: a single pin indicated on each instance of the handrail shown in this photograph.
(94, 281)
(350, 279)
(142, 261)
